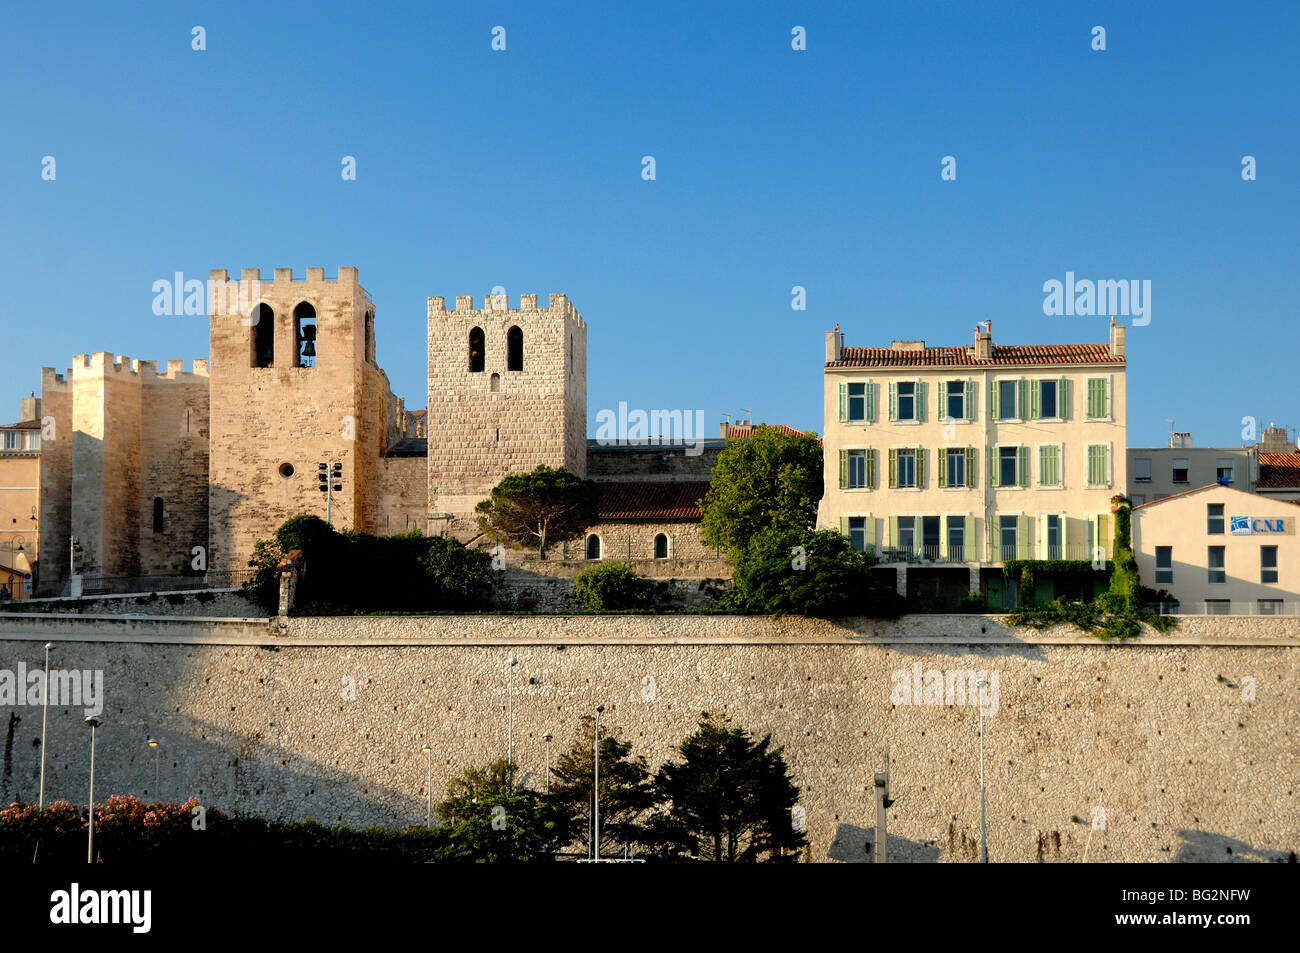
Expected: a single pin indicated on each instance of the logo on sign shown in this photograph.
(1241, 525)
(1247, 526)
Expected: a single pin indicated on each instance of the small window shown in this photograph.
(34, 439)
(857, 469)
(907, 400)
(13, 440)
(1007, 536)
(304, 335)
(593, 546)
(906, 533)
(1164, 564)
(1007, 459)
(857, 402)
(956, 540)
(1217, 572)
(1179, 471)
(1223, 472)
(515, 349)
(955, 467)
(1138, 499)
(495, 382)
(1142, 470)
(906, 469)
(1270, 606)
(286, 470)
(476, 353)
(157, 514)
(1268, 564)
(263, 322)
(1047, 399)
(858, 532)
(1218, 606)
(957, 400)
(1007, 393)
(661, 546)
(1214, 519)
(1053, 537)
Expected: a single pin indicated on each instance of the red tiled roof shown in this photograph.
(23, 425)
(1003, 355)
(745, 431)
(650, 501)
(1279, 471)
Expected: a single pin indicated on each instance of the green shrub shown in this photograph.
(612, 586)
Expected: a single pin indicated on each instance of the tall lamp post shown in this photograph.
(45, 712)
(510, 716)
(428, 785)
(595, 788)
(331, 481)
(90, 841)
(153, 743)
(984, 842)
(547, 738)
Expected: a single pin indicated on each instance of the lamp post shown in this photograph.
(153, 743)
(984, 842)
(45, 712)
(428, 785)
(510, 716)
(595, 789)
(90, 841)
(331, 481)
(547, 738)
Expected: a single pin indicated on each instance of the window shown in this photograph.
(1268, 564)
(906, 464)
(956, 394)
(1098, 398)
(476, 350)
(1164, 564)
(956, 540)
(857, 479)
(515, 349)
(1270, 606)
(1047, 399)
(906, 533)
(661, 546)
(157, 514)
(1098, 464)
(1214, 519)
(906, 401)
(1217, 572)
(13, 440)
(857, 402)
(1138, 499)
(858, 532)
(1007, 392)
(34, 438)
(1007, 536)
(1223, 471)
(956, 468)
(304, 335)
(1049, 465)
(1007, 459)
(263, 321)
(593, 546)
(1142, 470)
(286, 470)
(1053, 537)
(1179, 471)
(1218, 606)
(930, 537)
(494, 383)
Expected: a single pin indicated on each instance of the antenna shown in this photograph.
(749, 414)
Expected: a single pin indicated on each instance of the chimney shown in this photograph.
(31, 408)
(1180, 440)
(834, 345)
(984, 341)
(1274, 440)
(1116, 339)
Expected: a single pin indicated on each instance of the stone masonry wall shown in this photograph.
(1190, 750)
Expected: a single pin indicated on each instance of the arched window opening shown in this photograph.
(593, 546)
(661, 546)
(476, 350)
(157, 514)
(263, 321)
(515, 349)
(304, 335)
(496, 383)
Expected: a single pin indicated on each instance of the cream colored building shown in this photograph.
(1221, 550)
(972, 455)
(20, 500)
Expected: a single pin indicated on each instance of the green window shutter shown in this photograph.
(1063, 398)
(1044, 467)
(1022, 400)
(1096, 398)
(893, 532)
(943, 401)
(920, 400)
(1022, 466)
(1065, 532)
(844, 401)
(968, 539)
(844, 525)
(1024, 537)
(871, 469)
(970, 400)
(871, 401)
(993, 400)
(1092, 466)
(893, 400)
(893, 468)
(1034, 393)
(972, 467)
(844, 469)
(920, 468)
(995, 538)
(869, 531)
(1103, 534)
(993, 467)
(1104, 465)
(943, 468)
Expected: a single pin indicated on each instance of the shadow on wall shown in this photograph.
(855, 845)
(1202, 847)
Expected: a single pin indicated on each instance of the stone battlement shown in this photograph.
(500, 304)
(104, 361)
(347, 274)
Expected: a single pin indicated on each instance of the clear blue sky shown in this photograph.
(775, 168)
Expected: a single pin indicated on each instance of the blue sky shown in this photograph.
(775, 168)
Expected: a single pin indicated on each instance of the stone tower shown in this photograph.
(278, 411)
(507, 391)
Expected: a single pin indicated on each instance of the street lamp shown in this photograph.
(331, 482)
(90, 842)
(595, 788)
(153, 743)
(984, 843)
(547, 738)
(428, 785)
(510, 717)
(45, 712)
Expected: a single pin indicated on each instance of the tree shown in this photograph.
(549, 505)
(772, 481)
(813, 574)
(626, 789)
(486, 817)
(728, 800)
(610, 586)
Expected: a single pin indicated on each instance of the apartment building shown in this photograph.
(20, 498)
(1219, 549)
(963, 457)
(1158, 472)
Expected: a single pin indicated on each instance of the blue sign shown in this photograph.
(1250, 526)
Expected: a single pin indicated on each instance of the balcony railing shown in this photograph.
(981, 552)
